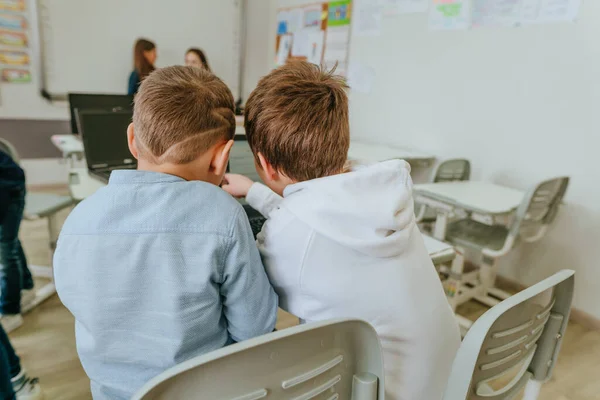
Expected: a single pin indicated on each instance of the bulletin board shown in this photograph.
(15, 59)
(318, 33)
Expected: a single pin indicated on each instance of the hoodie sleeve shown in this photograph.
(263, 199)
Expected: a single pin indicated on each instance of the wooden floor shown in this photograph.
(46, 344)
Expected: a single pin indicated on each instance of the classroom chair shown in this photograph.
(515, 344)
(327, 360)
(533, 217)
(453, 170)
(41, 206)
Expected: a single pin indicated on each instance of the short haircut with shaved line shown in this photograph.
(180, 113)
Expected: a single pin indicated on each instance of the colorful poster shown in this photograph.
(339, 13)
(12, 22)
(316, 42)
(16, 76)
(15, 39)
(12, 5)
(336, 48)
(301, 44)
(313, 17)
(282, 22)
(496, 13)
(283, 52)
(545, 11)
(321, 37)
(449, 14)
(14, 57)
(295, 20)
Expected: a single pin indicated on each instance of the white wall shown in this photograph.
(518, 102)
(23, 101)
(260, 42)
(89, 48)
(20, 101)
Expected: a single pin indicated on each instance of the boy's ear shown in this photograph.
(266, 166)
(131, 141)
(221, 158)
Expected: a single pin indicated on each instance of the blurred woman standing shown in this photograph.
(144, 57)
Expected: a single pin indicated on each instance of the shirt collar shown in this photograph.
(120, 177)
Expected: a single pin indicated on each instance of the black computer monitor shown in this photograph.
(84, 101)
(104, 134)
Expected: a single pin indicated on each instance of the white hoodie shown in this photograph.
(348, 246)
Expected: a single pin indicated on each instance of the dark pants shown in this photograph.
(14, 273)
(9, 367)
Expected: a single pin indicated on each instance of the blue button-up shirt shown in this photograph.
(157, 270)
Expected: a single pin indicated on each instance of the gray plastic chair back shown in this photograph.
(539, 208)
(513, 342)
(457, 169)
(327, 360)
(9, 149)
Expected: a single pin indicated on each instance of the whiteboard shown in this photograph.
(446, 91)
(87, 45)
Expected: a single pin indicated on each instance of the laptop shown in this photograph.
(104, 135)
(84, 101)
(241, 161)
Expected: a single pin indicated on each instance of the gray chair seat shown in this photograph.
(475, 235)
(43, 205)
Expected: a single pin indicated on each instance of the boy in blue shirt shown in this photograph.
(160, 266)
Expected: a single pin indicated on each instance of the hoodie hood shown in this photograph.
(369, 209)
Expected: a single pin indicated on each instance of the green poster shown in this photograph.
(339, 13)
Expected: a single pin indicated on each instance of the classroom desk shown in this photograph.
(70, 146)
(82, 185)
(376, 153)
(485, 201)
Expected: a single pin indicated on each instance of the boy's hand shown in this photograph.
(236, 185)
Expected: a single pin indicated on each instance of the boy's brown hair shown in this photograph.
(181, 112)
(297, 118)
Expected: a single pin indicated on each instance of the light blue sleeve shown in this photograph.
(250, 303)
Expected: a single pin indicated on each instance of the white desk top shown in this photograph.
(82, 185)
(67, 144)
(377, 153)
(480, 197)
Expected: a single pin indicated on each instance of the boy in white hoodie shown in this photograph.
(344, 243)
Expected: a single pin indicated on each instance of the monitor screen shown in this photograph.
(104, 136)
(84, 101)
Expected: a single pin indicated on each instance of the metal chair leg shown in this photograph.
(532, 390)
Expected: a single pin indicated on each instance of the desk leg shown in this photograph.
(454, 282)
(441, 222)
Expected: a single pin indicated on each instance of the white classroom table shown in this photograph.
(366, 152)
(83, 185)
(485, 201)
(70, 146)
